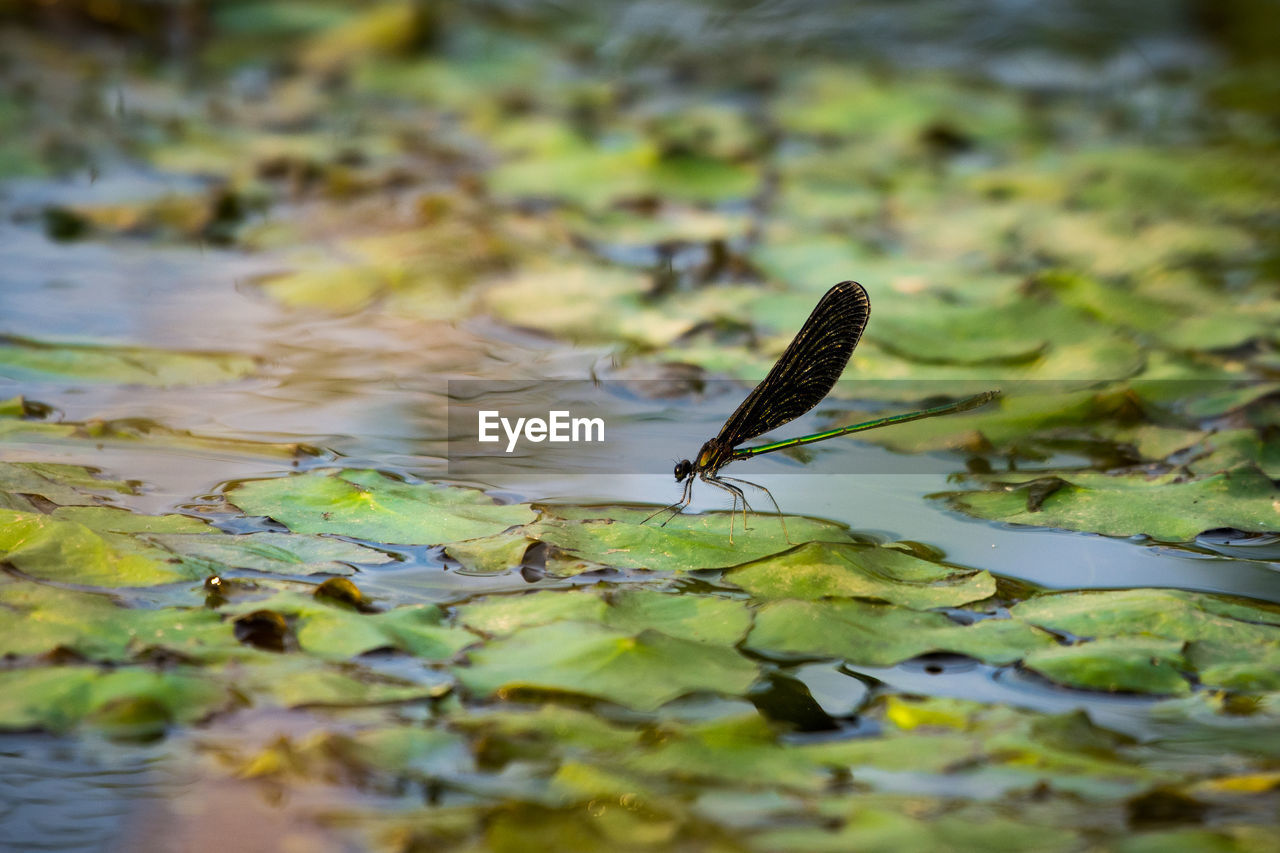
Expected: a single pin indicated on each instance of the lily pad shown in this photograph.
(822, 570)
(1165, 613)
(115, 520)
(279, 553)
(68, 485)
(1247, 663)
(46, 547)
(336, 632)
(699, 618)
(58, 698)
(134, 431)
(729, 751)
(642, 671)
(1139, 637)
(585, 304)
(1128, 505)
(491, 554)
(686, 543)
(884, 635)
(36, 619)
(28, 360)
(372, 506)
(1119, 664)
(300, 682)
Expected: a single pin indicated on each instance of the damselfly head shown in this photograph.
(683, 469)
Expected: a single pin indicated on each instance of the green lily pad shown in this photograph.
(36, 619)
(300, 682)
(558, 165)
(24, 359)
(46, 547)
(686, 543)
(884, 635)
(337, 632)
(372, 506)
(1247, 663)
(729, 751)
(1127, 505)
(1234, 448)
(14, 407)
(55, 699)
(115, 520)
(700, 618)
(130, 432)
(1165, 613)
(821, 570)
(503, 615)
(835, 100)
(587, 305)
(1178, 312)
(546, 731)
(335, 290)
(491, 554)
(1118, 664)
(1228, 643)
(62, 484)
(703, 619)
(279, 553)
(642, 671)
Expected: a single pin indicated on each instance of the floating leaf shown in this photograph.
(730, 751)
(884, 635)
(115, 520)
(279, 553)
(1127, 505)
(24, 359)
(130, 432)
(58, 698)
(1165, 613)
(687, 542)
(492, 554)
(61, 484)
(68, 551)
(586, 304)
(298, 682)
(502, 615)
(369, 505)
(821, 570)
(331, 630)
(36, 619)
(1125, 664)
(699, 618)
(642, 671)
(336, 290)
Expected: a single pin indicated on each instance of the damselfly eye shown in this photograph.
(683, 468)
